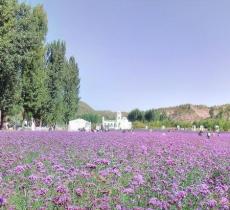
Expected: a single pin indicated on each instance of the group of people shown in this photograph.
(208, 134)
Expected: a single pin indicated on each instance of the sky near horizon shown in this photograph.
(146, 53)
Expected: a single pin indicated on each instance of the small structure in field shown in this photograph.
(79, 125)
(194, 128)
(201, 128)
(217, 128)
(121, 123)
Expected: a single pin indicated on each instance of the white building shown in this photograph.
(201, 128)
(121, 123)
(194, 128)
(78, 125)
(217, 128)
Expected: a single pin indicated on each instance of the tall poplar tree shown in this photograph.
(34, 76)
(10, 57)
(55, 68)
(71, 84)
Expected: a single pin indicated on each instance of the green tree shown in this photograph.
(163, 116)
(135, 115)
(55, 58)
(11, 55)
(93, 118)
(71, 84)
(149, 115)
(34, 77)
(212, 112)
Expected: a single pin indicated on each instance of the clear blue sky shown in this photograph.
(146, 53)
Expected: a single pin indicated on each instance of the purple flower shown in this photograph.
(33, 178)
(40, 166)
(181, 195)
(170, 162)
(181, 165)
(61, 189)
(102, 161)
(116, 171)
(79, 192)
(118, 207)
(41, 192)
(104, 173)
(224, 202)
(155, 202)
(19, 169)
(204, 189)
(48, 180)
(61, 200)
(211, 203)
(1, 201)
(91, 166)
(128, 191)
(128, 169)
(138, 180)
(74, 208)
(144, 150)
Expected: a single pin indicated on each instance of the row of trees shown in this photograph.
(156, 119)
(36, 79)
(149, 115)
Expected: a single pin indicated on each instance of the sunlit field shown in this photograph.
(114, 170)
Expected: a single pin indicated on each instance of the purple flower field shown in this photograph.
(114, 170)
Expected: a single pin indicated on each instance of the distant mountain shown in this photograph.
(185, 112)
(191, 113)
(220, 112)
(84, 108)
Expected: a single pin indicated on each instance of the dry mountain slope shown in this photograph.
(186, 112)
(191, 113)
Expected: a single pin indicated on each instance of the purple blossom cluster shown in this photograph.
(114, 170)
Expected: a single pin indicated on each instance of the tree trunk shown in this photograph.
(3, 124)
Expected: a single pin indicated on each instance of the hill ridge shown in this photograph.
(183, 112)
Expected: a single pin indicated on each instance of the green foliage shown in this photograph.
(71, 84)
(159, 124)
(10, 55)
(158, 118)
(33, 73)
(36, 81)
(192, 177)
(149, 115)
(135, 115)
(138, 124)
(210, 124)
(55, 57)
(19, 200)
(63, 84)
(93, 118)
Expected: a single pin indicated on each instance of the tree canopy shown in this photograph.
(36, 78)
